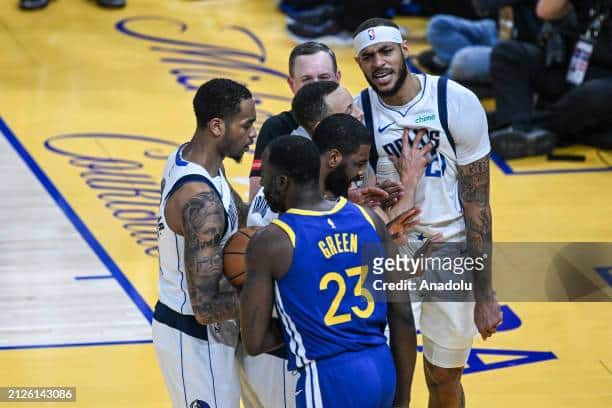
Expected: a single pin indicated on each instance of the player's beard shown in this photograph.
(337, 182)
(274, 199)
(402, 75)
(237, 157)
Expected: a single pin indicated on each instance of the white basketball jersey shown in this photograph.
(172, 280)
(437, 193)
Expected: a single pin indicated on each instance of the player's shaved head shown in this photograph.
(341, 132)
(296, 157)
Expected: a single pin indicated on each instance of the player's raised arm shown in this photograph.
(269, 254)
(203, 228)
(401, 323)
(410, 166)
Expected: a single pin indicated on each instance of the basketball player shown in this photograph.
(331, 323)
(266, 379)
(344, 145)
(453, 194)
(308, 62)
(194, 331)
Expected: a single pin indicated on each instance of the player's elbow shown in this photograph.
(477, 209)
(204, 318)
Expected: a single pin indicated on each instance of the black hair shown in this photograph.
(374, 22)
(218, 98)
(309, 105)
(342, 132)
(297, 157)
(310, 48)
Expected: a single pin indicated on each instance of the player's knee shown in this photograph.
(440, 376)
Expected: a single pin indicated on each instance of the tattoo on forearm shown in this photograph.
(203, 226)
(474, 191)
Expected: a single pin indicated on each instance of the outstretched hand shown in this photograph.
(368, 196)
(395, 191)
(413, 159)
(400, 225)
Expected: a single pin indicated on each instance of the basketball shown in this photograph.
(234, 256)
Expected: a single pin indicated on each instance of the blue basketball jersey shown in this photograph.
(326, 301)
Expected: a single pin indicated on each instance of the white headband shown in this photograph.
(375, 35)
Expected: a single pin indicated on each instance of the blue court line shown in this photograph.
(80, 226)
(509, 171)
(91, 344)
(501, 163)
(606, 273)
(93, 277)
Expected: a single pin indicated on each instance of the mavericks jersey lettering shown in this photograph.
(172, 281)
(326, 301)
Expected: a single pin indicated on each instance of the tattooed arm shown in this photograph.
(474, 192)
(203, 227)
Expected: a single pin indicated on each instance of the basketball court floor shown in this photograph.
(91, 103)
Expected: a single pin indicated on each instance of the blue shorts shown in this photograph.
(364, 379)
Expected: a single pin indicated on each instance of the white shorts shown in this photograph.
(197, 370)
(449, 324)
(265, 381)
(444, 357)
(448, 327)
(445, 352)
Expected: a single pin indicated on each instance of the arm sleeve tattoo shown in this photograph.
(203, 227)
(474, 192)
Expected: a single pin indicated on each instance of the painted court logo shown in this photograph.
(372, 34)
